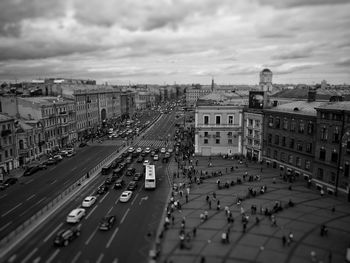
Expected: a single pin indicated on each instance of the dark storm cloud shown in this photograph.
(343, 63)
(294, 54)
(43, 49)
(12, 13)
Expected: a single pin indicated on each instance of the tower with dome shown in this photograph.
(266, 80)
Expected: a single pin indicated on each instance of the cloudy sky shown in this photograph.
(182, 41)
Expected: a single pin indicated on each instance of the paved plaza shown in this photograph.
(262, 241)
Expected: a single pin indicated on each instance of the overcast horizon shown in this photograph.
(183, 41)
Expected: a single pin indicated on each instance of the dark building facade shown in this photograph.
(332, 153)
(289, 132)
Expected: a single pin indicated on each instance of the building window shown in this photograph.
(6, 154)
(257, 123)
(269, 138)
(299, 146)
(250, 132)
(291, 143)
(284, 141)
(205, 141)
(298, 161)
(277, 123)
(336, 135)
(217, 141)
(277, 140)
(320, 173)
(205, 134)
(332, 179)
(301, 127)
(285, 124)
(309, 147)
(275, 154)
(257, 134)
(229, 134)
(310, 128)
(334, 157)
(324, 133)
(230, 119)
(229, 141)
(250, 122)
(270, 121)
(292, 125)
(290, 159)
(217, 134)
(217, 119)
(256, 143)
(307, 165)
(322, 154)
(268, 152)
(250, 141)
(206, 120)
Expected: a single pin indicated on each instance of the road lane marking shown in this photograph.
(30, 197)
(75, 167)
(123, 218)
(42, 199)
(90, 237)
(54, 181)
(92, 210)
(1, 197)
(12, 259)
(103, 198)
(11, 210)
(53, 255)
(112, 237)
(54, 231)
(37, 260)
(76, 257)
(100, 258)
(115, 260)
(134, 199)
(109, 210)
(3, 227)
(29, 255)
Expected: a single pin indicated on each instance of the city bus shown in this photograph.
(150, 177)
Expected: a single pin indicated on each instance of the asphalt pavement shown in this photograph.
(259, 242)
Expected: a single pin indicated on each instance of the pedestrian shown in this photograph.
(205, 215)
(214, 195)
(207, 198)
(218, 205)
(186, 198)
(194, 231)
(322, 192)
(172, 219)
(244, 226)
(209, 202)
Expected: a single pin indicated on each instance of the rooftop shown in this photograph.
(5, 118)
(222, 98)
(298, 107)
(338, 105)
(46, 100)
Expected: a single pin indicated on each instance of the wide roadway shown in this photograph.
(22, 200)
(128, 241)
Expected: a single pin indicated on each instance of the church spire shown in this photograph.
(212, 83)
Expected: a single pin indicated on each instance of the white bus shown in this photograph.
(150, 177)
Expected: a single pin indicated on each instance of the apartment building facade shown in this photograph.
(8, 160)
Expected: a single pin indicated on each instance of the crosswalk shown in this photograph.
(153, 144)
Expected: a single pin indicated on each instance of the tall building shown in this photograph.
(265, 82)
(8, 155)
(218, 125)
(332, 154)
(196, 92)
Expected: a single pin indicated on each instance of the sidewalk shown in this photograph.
(260, 242)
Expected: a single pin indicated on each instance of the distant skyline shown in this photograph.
(182, 41)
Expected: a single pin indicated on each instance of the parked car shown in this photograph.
(108, 181)
(125, 196)
(82, 144)
(51, 161)
(65, 236)
(31, 170)
(70, 153)
(119, 184)
(76, 215)
(107, 222)
(89, 201)
(58, 157)
(132, 186)
(11, 181)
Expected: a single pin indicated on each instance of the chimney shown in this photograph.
(311, 95)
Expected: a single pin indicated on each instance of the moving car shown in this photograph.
(129, 159)
(82, 144)
(107, 222)
(156, 157)
(89, 201)
(102, 189)
(125, 196)
(145, 162)
(130, 171)
(139, 150)
(65, 236)
(137, 177)
(162, 150)
(108, 181)
(131, 149)
(119, 184)
(31, 170)
(147, 150)
(132, 186)
(76, 215)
